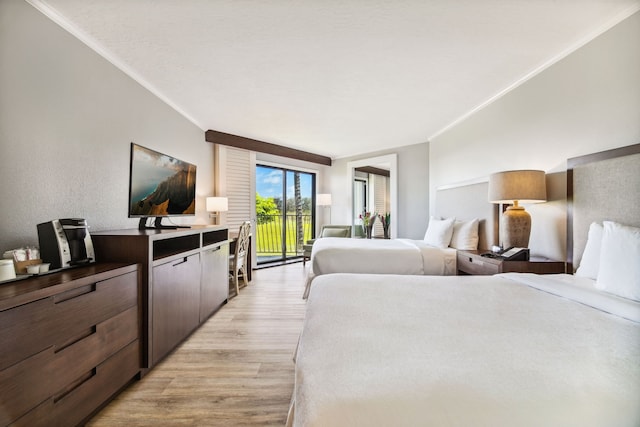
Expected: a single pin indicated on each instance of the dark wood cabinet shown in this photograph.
(184, 279)
(175, 303)
(70, 341)
(214, 288)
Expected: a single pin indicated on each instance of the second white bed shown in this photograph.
(379, 256)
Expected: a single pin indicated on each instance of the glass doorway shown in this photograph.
(285, 213)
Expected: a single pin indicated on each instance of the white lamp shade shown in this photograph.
(525, 186)
(323, 199)
(217, 204)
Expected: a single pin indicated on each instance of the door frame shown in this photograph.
(287, 168)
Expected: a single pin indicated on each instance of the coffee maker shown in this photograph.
(65, 243)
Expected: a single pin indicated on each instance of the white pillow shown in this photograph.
(620, 261)
(465, 235)
(590, 262)
(439, 232)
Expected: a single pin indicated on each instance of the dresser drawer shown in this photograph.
(476, 265)
(53, 321)
(73, 405)
(54, 371)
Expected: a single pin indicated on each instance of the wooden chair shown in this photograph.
(327, 231)
(238, 259)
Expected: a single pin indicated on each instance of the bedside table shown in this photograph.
(471, 262)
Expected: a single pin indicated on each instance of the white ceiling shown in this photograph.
(333, 77)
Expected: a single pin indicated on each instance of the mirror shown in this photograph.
(386, 162)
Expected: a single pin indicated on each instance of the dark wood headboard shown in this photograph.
(601, 186)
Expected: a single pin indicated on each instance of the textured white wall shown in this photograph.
(587, 102)
(67, 118)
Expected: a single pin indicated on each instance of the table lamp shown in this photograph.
(519, 186)
(324, 200)
(215, 205)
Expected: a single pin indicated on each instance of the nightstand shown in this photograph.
(471, 262)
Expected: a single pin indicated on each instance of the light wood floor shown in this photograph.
(235, 370)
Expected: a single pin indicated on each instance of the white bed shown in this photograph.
(459, 351)
(506, 350)
(434, 255)
(379, 256)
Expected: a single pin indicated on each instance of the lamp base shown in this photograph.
(214, 216)
(515, 227)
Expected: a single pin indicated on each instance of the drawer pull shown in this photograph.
(82, 335)
(74, 385)
(74, 293)
(217, 248)
(180, 262)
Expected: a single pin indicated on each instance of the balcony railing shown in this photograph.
(269, 235)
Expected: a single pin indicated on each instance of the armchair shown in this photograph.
(327, 231)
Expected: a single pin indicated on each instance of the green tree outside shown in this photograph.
(270, 225)
(266, 208)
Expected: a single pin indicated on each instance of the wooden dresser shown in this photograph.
(70, 341)
(184, 279)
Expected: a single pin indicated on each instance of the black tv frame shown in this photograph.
(144, 219)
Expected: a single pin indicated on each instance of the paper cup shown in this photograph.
(7, 271)
(33, 269)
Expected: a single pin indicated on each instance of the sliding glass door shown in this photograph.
(285, 212)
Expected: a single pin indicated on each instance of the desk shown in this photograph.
(233, 238)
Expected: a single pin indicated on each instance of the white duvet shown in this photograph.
(461, 351)
(379, 256)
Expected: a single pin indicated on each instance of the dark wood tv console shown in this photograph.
(70, 342)
(184, 276)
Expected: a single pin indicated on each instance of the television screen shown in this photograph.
(160, 185)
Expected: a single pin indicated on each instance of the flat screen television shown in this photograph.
(160, 186)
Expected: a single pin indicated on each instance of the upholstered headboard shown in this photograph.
(467, 202)
(601, 186)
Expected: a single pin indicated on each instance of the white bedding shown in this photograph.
(379, 256)
(582, 290)
(462, 351)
